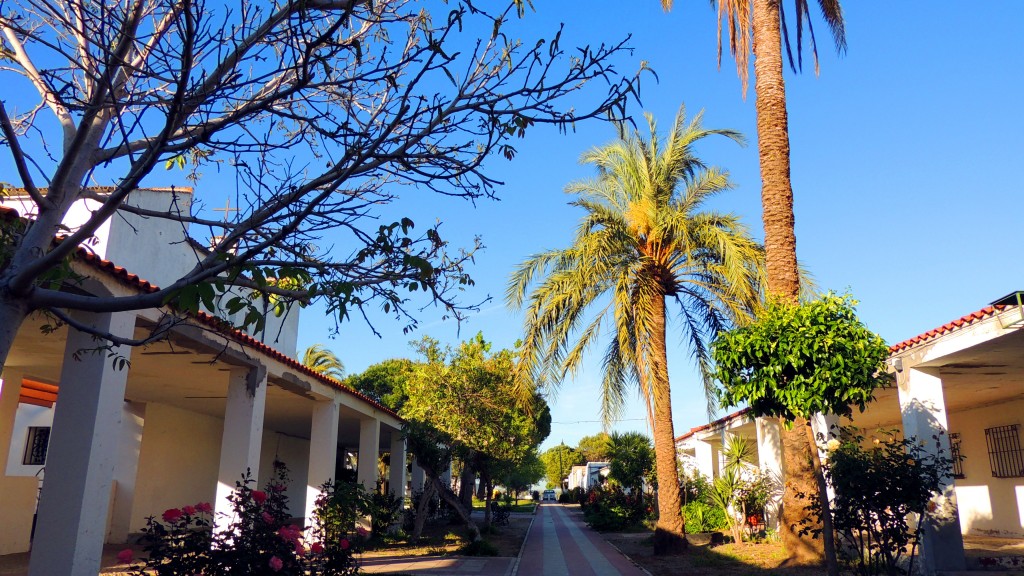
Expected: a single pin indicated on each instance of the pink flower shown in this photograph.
(275, 563)
(361, 531)
(300, 550)
(172, 515)
(290, 533)
(125, 556)
(259, 496)
(277, 487)
(343, 543)
(188, 510)
(316, 548)
(204, 507)
(268, 518)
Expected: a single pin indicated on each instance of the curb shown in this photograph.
(513, 569)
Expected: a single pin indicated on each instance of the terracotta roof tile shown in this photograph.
(972, 318)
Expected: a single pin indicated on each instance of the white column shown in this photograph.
(396, 474)
(704, 453)
(369, 449)
(80, 461)
(133, 416)
(323, 452)
(924, 417)
(769, 459)
(243, 433)
(825, 427)
(419, 476)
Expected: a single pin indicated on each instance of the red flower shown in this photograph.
(188, 510)
(125, 556)
(343, 543)
(204, 507)
(172, 515)
(259, 496)
(268, 518)
(275, 563)
(277, 487)
(290, 533)
(300, 550)
(316, 548)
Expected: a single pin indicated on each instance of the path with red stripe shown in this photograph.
(560, 544)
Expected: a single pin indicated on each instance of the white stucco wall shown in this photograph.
(988, 506)
(294, 452)
(178, 461)
(17, 493)
(26, 416)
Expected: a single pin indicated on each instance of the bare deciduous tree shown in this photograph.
(323, 109)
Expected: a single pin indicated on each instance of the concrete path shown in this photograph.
(438, 566)
(560, 544)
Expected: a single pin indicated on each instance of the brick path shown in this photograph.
(560, 544)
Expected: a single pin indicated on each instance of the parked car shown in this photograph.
(549, 495)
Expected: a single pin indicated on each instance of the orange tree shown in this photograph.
(797, 360)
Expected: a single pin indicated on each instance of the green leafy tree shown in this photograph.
(595, 448)
(324, 361)
(631, 460)
(645, 237)
(518, 477)
(558, 462)
(797, 360)
(466, 393)
(385, 381)
(757, 27)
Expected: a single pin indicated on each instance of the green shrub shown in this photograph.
(612, 509)
(479, 548)
(702, 517)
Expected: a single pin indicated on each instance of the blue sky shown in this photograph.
(906, 166)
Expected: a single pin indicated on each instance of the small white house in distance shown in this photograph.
(587, 476)
(962, 383)
(179, 424)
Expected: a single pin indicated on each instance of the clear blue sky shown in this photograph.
(906, 165)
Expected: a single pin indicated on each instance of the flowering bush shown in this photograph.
(609, 509)
(258, 539)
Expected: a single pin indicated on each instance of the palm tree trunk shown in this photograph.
(773, 149)
(780, 253)
(669, 533)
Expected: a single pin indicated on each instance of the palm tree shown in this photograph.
(764, 21)
(322, 360)
(643, 238)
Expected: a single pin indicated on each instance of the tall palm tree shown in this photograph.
(643, 238)
(322, 360)
(763, 20)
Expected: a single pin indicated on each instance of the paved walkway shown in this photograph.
(560, 544)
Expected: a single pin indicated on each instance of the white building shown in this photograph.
(964, 379)
(587, 476)
(179, 425)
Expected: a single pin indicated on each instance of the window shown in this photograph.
(1004, 453)
(35, 446)
(958, 459)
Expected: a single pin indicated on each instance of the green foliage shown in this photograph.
(595, 448)
(385, 381)
(558, 461)
(612, 509)
(878, 487)
(324, 361)
(800, 359)
(631, 459)
(519, 476)
(703, 517)
(258, 541)
(479, 548)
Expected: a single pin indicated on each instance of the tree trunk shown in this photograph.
(467, 483)
(423, 508)
(773, 149)
(669, 534)
(780, 249)
(828, 533)
(799, 479)
(487, 500)
(465, 514)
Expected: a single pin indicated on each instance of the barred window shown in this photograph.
(957, 456)
(36, 445)
(1004, 453)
